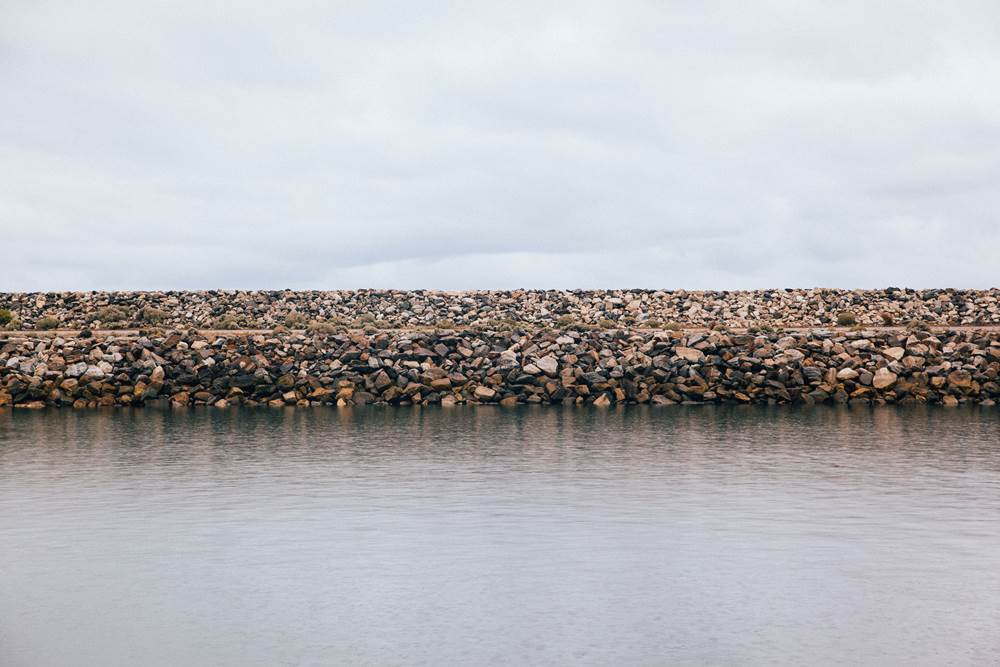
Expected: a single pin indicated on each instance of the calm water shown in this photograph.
(465, 536)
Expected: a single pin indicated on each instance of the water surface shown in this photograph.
(489, 536)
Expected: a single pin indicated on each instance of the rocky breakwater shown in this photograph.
(397, 309)
(599, 368)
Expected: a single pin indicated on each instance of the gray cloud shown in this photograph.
(702, 145)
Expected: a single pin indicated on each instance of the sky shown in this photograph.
(193, 144)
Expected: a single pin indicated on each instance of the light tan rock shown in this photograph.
(884, 378)
(485, 393)
(689, 354)
(548, 365)
(847, 374)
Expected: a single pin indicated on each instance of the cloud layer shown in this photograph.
(729, 145)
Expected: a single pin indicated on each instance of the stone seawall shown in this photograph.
(384, 309)
(598, 367)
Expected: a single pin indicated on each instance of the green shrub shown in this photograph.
(111, 315)
(846, 319)
(6, 317)
(565, 321)
(498, 325)
(228, 321)
(318, 326)
(296, 321)
(152, 315)
(47, 323)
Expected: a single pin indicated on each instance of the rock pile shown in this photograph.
(598, 367)
(393, 309)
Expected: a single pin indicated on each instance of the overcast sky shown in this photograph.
(264, 144)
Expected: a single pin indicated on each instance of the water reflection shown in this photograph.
(532, 535)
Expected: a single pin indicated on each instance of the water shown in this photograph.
(488, 536)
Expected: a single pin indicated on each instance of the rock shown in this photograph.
(76, 370)
(812, 374)
(894, 353)
(790, 356)
(321, 393)
(548, 365)
(381, 380)
(786, 342)
(960, 378)
(602, 401)
(689, 354)
(847, 374)
(884, 378)
(485, 393)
